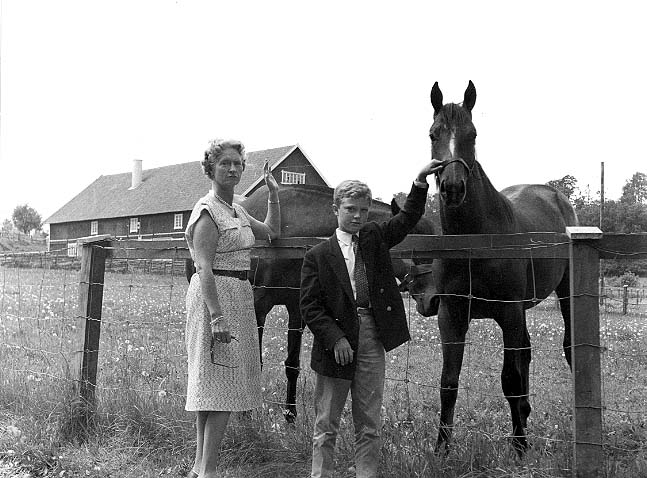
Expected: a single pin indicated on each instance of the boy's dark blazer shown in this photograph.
(327, 303)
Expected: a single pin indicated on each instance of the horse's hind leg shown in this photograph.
(452, 335)
(516, 371)
(262, 306)
(293, 361)
(563, 291)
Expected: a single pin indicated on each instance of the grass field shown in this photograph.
(141, 429)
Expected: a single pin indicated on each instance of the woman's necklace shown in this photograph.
(229, 206)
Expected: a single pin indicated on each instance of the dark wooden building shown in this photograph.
(156, 203)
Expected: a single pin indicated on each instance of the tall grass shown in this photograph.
(141, 429)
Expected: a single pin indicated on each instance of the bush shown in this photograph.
(629, 279)
(618, 267)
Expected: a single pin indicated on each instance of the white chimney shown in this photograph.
(137, 173)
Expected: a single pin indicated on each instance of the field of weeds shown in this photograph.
(140, 428)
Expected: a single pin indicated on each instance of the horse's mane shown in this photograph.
(454, 113)
(327, 190)
(308, 187)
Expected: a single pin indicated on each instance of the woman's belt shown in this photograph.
(242, 275)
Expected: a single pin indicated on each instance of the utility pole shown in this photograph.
(601, 214)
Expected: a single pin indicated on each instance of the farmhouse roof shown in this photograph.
(174, 188)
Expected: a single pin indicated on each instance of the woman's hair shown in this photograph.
(214, 152)
(351, 188)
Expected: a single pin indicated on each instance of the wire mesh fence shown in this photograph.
(142, 366)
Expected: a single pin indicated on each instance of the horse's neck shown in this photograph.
(484, 210)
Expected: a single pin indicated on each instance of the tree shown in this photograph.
(567, 185)
(635, 190)
(26, 218)
(432, 208)
(7, 226)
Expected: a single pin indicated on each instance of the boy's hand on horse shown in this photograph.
(433, 166)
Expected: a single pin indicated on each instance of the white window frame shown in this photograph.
(177, 221)
(134, 225)
(71, 249)
(288, 177)
(94, 228)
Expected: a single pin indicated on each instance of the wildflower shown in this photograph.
(13, 431)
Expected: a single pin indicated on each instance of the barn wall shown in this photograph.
(151, 225)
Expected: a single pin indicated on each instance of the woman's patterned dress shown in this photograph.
(233, 381)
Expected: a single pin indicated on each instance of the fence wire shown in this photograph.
(142, 359)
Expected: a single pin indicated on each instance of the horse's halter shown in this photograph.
(457, 160)
(410, 277)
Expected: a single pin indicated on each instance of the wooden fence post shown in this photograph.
(588, 456)
(91, 276)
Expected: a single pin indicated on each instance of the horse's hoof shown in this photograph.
(441, 448)
(520, 445)
(290, 415)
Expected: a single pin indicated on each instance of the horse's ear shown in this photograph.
(436, 98)
(394, 207)
(470, 97)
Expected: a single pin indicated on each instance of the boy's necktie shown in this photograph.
(359, 274)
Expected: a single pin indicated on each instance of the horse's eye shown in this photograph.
(433, 137)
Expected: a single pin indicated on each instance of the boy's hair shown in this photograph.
(351, 188)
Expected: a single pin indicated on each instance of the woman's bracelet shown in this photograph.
(216, 320)
(273, 202)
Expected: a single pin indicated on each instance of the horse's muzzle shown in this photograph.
(453, 193)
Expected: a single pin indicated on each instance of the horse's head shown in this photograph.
(452, 141)
(422, 288)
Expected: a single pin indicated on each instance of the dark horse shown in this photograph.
(306, 211)
(501, 289)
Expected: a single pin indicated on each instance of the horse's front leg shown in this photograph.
(293, 361)
(453, 322)
(515, 373)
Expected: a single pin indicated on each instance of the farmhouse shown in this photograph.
(156, 203)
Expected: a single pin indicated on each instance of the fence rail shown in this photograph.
(21, 236)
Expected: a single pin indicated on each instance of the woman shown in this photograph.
(221, 334)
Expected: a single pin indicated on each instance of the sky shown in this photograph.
(88, 86)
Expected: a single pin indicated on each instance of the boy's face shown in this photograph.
(352, 214)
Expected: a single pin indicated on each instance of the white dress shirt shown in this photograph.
(346, 245)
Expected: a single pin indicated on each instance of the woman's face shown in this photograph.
(228, 169)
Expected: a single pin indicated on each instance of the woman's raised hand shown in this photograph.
(272, 185)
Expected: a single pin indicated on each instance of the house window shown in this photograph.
(134, 224)
(71, 249)
(288, 177)
(177, 221)
(94, 228)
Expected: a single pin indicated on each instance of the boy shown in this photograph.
(351, 303)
